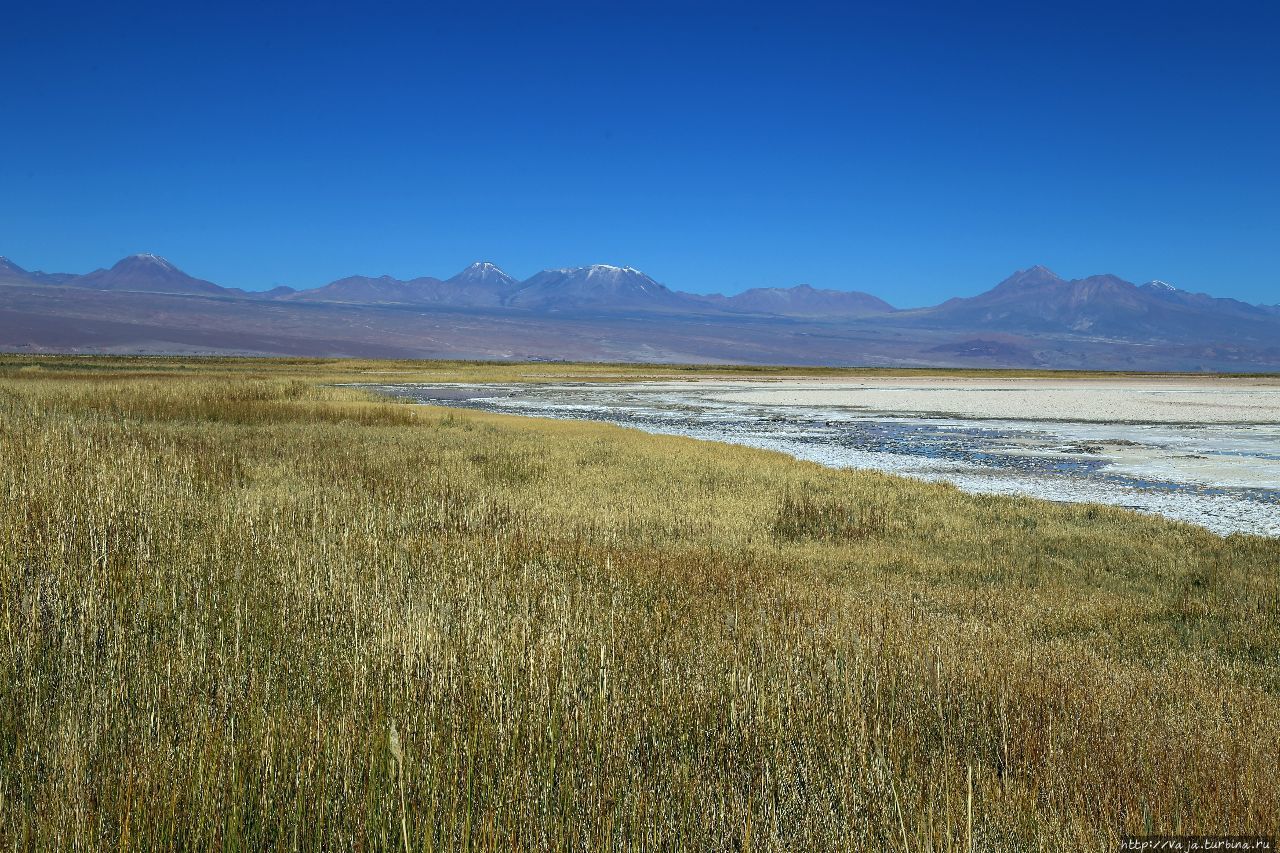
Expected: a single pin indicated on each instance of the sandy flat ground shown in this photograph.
(1139, 400)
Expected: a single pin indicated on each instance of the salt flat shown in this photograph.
(1181, 400)
(1203, 450)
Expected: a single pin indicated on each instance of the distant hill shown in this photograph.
(147, 273)
(1204, 302)
(479, 285)
(366, 290)
(1034, 318)
(805, 301)
(599, 287)
(12, 273)
(1037, 300)
(485, 276)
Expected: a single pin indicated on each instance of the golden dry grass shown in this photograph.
(242, 609)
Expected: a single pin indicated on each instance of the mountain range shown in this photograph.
(1034, 318)
(599, 287)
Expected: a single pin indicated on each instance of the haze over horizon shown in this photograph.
(916, 154)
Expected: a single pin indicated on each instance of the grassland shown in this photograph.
(245, 609)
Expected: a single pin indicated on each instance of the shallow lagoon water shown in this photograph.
(1225, 477)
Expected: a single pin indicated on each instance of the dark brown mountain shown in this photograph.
(1032, 319)
(479, 285)
(11, 272)
(367, 290)
(1038, 301)
(483, 275)
(805, 301)
(599, 288)
(52, 277)
(149, 274)
(1166, 292)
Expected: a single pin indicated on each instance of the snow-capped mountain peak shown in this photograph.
(610, 268)
(12, 270)
(146, 272)
(149, 258)
(483, 273)
(1034, 277)
(597, 284)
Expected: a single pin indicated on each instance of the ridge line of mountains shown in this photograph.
(482, 284)
(1034, 318)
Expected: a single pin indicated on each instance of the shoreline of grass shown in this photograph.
(534, 371)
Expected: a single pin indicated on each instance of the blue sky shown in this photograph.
(917, 151)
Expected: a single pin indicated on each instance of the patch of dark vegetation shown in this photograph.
(806, 516)
(508, 469)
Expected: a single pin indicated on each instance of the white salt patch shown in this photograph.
(1223, 476)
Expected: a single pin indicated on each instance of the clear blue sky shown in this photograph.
(915, 151)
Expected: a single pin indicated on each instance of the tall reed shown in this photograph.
(242, 609)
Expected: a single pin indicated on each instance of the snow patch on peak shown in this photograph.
(483, 276)
(147, 257)
(1038, 271)
(1157, 284)
(483, 272)
(611, 270)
